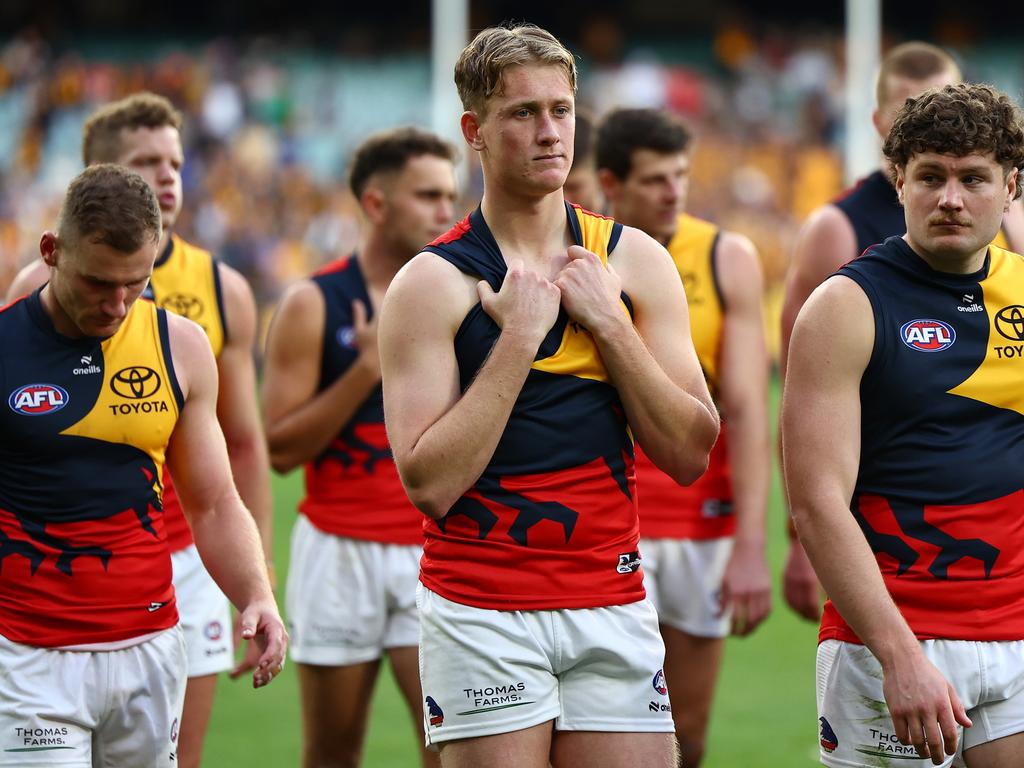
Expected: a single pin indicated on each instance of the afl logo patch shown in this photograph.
(135, 383)
(659, 683)
(38, 399)
(928, 335)
(346, 336)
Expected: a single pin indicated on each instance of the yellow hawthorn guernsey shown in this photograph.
(186, 281)
(83, 556)
(702, 510)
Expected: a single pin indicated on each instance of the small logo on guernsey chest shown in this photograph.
(928, 335)
(38, 399)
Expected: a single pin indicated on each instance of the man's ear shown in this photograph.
(1012, 179)
(374, 204)
(48, 247)
(470, 124)
(610, 184)
(900, 180)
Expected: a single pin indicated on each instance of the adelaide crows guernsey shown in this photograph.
(940, 489)
(704, 509)
(83, 555)
(552, 521)
(186, 281)
(875, 213)
(352, 488)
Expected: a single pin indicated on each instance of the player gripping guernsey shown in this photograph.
(520, 353)
(903, 427)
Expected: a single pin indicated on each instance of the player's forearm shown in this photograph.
(304, 433)
(847, 569)
(229, 544)
(676, 429)
(250, 469)
(449, 457)
(750, 457)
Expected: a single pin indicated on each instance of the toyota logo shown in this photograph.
(1010, 322)
(184, 305)
(136, 382)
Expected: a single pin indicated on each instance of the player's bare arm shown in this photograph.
(1013, 225)
(825, 242)
(224, 531)
(300, 421)
(832, 344)
(30, 277)
(237, 409)
(443, 439)
(743, 395)
(652, 363)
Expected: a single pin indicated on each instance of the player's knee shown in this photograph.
(690, 752)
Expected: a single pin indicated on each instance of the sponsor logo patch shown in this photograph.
(928, 335)
(135, 382)
(38, 399)
(1010, 322)
(656, 707)
(492, 697)
(629, 562)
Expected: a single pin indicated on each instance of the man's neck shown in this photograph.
(380, 260)
(954, 264)
(61, 320)
(527, 228)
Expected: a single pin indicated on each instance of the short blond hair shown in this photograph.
(482, 63)
(913, 61)
(101, 136)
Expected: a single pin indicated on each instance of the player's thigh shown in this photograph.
(854, 725)
(336, 703)
(526, 748)
(50, 702)
(610, 670)
(400, 566)
(335, 598)
(484, 672)
(146, 694)
(998, 716)
(685, 581)
(691, 669)
(613, 750)
(195, 719)
(204, 614)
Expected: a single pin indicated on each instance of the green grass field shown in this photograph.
(764, 713)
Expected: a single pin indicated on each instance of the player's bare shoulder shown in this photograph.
(824, 243)
(645, 268)
(194, 363)
(431, 290)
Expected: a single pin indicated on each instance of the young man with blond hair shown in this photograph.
(521, 352)
(143, 132)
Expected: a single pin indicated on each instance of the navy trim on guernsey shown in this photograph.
(165, 342)
(166, 253)
(873, 210)
(715, 281)
(220, 302)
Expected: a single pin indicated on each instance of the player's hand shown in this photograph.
(263, 630)
(366, 338)
(527, 303)
(924, 707)
(590, 291)
(747, 588)
(800, 583)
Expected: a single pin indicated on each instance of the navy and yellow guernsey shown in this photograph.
(552, 521)
(940, 489)
(352, 487)
(186, 281)
(84, 426)
(704, 509)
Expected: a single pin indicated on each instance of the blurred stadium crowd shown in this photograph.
(269, 128)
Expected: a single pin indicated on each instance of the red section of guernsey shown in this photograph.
(703, 510)
(581, 555)
(454, 233)
(62, 586)
(963, 584)
(354, 491)
(179, 535)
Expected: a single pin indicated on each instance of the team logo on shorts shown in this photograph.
(213, 630)
(434, 712)
(829, 742)
(928, 335)
(659, 682)
(38, 399)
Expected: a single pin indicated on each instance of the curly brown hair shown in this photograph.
(959, 120)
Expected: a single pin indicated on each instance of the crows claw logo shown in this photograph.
(434, 712)
(829, 740)
(135, 382)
